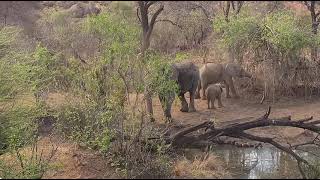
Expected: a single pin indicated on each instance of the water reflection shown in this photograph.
(267, 162)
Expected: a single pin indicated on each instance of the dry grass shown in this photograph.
(69, 162)
(201, 167)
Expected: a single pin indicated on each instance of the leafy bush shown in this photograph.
(18, 117)
(281, 30)
(85, 125)
(273, 44)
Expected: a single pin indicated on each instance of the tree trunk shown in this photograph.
(147, 28)
(314, 49)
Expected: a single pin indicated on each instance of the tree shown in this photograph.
(311, 5)
(236, 6)
(147, 27)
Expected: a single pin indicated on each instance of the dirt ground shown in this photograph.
(246, 109)
(72, 161)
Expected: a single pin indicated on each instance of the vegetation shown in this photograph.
(103, 62)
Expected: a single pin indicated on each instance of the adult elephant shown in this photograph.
(211, 73)
(186, 75)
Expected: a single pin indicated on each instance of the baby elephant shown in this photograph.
(214, 92)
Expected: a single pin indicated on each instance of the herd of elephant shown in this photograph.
(211, 78)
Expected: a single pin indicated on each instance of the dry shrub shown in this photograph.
(208, 166)
(280, 79)
(179, 30)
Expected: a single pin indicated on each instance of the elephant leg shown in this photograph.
(212, 103)
(219, 102)
(227, 89)
(184, 103)
(191, 106)
(204, 87)
(233, 90)
(197, 96)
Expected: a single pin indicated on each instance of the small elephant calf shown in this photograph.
(214, 92)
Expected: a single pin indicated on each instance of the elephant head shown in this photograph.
(236, 70)
(221, 86)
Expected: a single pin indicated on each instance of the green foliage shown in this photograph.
(161, 75)
(13, 69)
(238, 30)
(7, 38)
(18, 118)
(180, 56)
(280, 30)
(46, 71)
(119, 36)
(102, 89)
(17, 127)
(86, 125)
(24, 165)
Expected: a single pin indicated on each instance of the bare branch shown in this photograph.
(232, 3)
(205, 12)
(191, 129)
(279, 146)
(306, 120)
(153, 20)
(75, 53)
(313, 142)
(240, 3)
(138, 15)
(167, 20)
(227, 11)
(148, 4)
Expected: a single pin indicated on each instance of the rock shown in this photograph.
(81, 10)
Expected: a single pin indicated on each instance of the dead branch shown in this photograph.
(153, 19)
(138, 15)
(313, 142)
(205, 12)
(192, 129)
(240, 3)
(148, 4)
(237, 130)
(171, 22)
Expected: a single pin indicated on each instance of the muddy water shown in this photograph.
(264, 163)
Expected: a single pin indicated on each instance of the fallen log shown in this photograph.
(210, 134)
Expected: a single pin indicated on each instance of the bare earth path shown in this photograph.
(245, 109)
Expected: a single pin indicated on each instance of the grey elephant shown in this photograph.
(214, 92)
(211, 73)
(187, 76)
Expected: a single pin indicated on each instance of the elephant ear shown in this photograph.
(175, 72)
(232, 69)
